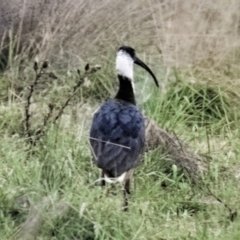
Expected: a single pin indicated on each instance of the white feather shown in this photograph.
(124, 64)
(113, 180)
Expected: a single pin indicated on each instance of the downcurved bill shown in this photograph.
(143, 65)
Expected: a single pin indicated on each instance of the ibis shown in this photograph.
(117, 132)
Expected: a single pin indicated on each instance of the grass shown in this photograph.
(50, 190)
(54, 183)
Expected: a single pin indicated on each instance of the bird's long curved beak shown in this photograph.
(143, 65)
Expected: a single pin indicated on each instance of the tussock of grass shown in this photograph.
(195, 105)
(175, 151)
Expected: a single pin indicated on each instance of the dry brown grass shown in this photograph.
(201, 37)
(30, 228)
(176, 151)
(186, 31)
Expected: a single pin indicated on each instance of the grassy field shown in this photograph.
(49, 191)
(49, 188)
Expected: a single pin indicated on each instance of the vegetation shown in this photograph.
(48, 183)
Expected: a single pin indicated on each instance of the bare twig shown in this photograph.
(50, 117)
(38, 75)
(28, 103)
(232, 214)
(75, 88)
(111, 143)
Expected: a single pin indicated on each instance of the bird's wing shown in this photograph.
(117, 137)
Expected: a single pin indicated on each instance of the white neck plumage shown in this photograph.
(124, 65)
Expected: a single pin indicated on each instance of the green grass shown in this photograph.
(58, 174)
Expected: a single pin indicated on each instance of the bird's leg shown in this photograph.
(125, 203)
(126, 191)
(103, 183)
(127, 186)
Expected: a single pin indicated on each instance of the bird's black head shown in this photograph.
(128, 50)
(124, 65)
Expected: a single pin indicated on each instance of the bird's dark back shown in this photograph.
(117, 137)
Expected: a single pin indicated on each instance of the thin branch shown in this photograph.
(28, 103)
(29, 96)
(118, 145)
(75, 88)
(232, 214)
(41, 131)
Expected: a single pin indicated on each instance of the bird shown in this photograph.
(117, 133)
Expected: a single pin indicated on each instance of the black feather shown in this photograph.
(117, 123)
